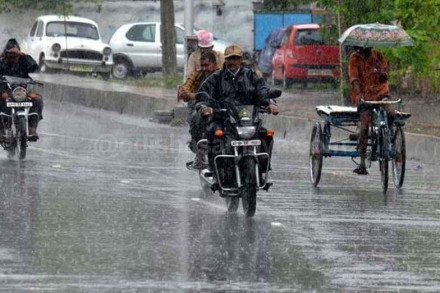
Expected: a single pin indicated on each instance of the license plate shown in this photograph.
(236, 143)
(15, 105)
(82, 68)
(325, 72)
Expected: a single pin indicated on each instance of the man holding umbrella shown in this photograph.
(368, 71)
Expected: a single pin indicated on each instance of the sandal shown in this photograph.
(360, 170)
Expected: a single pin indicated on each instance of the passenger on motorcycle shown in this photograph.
(13, 62)
(187, 93)
(238, 85)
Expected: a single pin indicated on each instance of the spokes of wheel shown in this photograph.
(315, 155)
(383, 159)
(399, 158)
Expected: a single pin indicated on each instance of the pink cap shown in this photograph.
(204, 39)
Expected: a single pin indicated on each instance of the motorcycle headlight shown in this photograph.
(246, 132)
(107, 51)
(19, 94)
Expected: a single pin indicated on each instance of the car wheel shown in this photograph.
(42, 65)
(273, 79)
(285, 79)
(121, 69)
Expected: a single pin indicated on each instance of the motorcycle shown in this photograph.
(18, 95)
(237, 152)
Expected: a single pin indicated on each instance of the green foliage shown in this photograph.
(419, 18)
(282, 4)
(55, 6)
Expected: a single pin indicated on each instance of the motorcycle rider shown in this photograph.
(239, 85)
(13, 62)
(187, 92)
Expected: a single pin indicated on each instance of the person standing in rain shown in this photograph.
(208, 65)
(204, 44)
(368, 73)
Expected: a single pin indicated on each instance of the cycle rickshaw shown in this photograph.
(385, 142)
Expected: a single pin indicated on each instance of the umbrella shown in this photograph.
(375, 35)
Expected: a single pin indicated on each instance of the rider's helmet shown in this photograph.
(12, 43)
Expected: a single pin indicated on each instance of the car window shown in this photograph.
(142, 33)
(33, 29)
(285, 38)
(72, 29)
(308, 37)
(40, 29)
(180, 36)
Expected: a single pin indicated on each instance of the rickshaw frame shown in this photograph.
(385, 142)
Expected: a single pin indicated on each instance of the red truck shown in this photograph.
(302, 57)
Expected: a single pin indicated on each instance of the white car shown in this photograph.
(137, 47)
(68, 43)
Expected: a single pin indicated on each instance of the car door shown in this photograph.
(141, 45)
(35, 42)
(180, 42)
(279, 55)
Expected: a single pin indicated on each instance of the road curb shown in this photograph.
(419, 147)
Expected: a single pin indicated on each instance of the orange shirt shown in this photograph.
(367, 72)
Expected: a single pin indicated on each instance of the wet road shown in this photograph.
(103, 203)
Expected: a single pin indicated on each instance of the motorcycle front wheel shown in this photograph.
(232, 203)
(21, 138)
(249, 189)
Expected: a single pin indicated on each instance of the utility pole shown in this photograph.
(341, 70)
(168, 38)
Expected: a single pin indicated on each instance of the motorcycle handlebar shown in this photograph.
(273, 94)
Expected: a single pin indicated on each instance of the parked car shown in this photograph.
(302, 56)
(137, 47)
(70, 43)
(272, 42)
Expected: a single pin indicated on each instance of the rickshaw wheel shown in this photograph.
(315, 154)
(399, 159)
(373, 146)
(383, 159)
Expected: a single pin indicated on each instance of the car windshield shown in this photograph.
(308, 37)
(72, 29)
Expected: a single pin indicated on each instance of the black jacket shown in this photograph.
(25, 65)
(245, 88)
